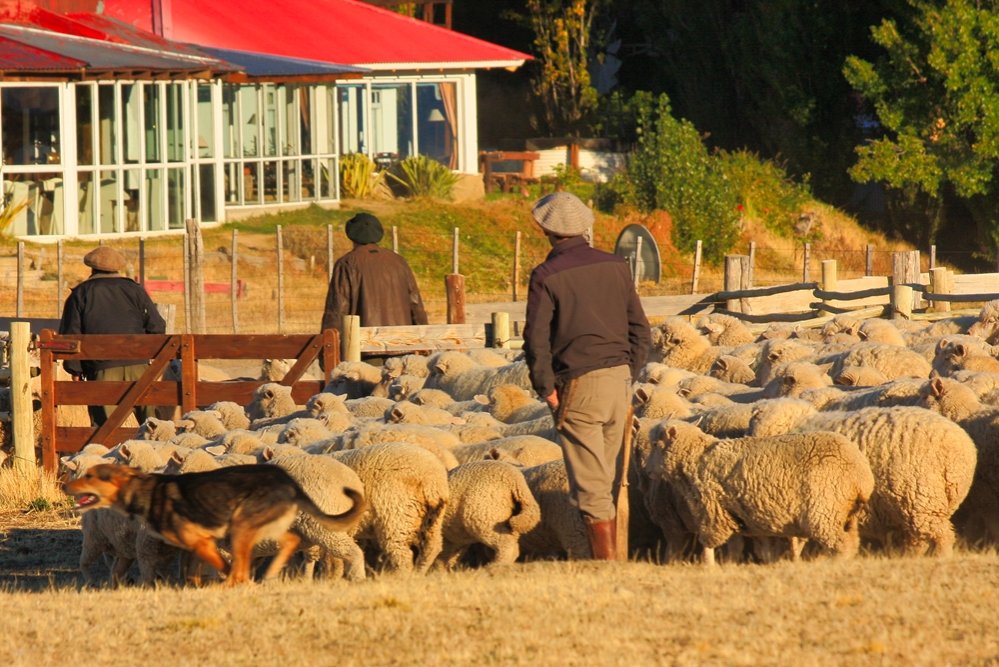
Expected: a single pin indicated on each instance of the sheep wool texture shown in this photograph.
(809, 485)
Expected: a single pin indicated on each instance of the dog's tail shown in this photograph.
(336, 522)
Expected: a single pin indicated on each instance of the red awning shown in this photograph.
(338, 31)
(20, 57)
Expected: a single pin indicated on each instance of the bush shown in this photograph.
(672, 170)
(358, 176)
(766, 192)
(421, 176)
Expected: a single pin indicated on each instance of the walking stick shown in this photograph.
(622, 490)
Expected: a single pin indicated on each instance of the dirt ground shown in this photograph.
(39, 550)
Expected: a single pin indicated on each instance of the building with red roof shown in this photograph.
(121, 116)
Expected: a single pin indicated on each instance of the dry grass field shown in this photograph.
(873, 610)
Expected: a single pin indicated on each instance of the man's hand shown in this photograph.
(552, 400)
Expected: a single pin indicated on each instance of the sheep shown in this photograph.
(881, 331)
(893, 362)
(275, 370)
(963, 353)
(353, 379)
(459, 375)
(438, 398)
(407, 364)
(561, 532)
(725, 330)
(324, 479)
(490, 504)
(730, 368)
(655, 372)
(984, 384)
(524, 450)
(923, 467)
(841, 325)
(232, 414)
(368, 407)
(683, 346)
(156, 429)
(810, 486)
(859, 376)
(242, 441)
(406, 412)
(207, 423)
(903, 392)
(774, 353)
(303, 431)
(796, 377)
(978, 516)
(403, 387)
(406, 489)
(485, 424)
(987, 325)
(271, 400)
(652, 400)
(510, 403)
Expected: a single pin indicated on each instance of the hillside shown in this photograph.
(425, 232)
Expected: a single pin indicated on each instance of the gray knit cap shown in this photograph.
(562, 214)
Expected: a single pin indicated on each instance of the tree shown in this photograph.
(936, 95)
(562, 46)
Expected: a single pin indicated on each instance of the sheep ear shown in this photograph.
(396, 414)
(843, 380)
(458, 421)
(418, 399)
(267, 393)
(641, 395)
(698, 422)
(176, 457)
(825, 368)
(440, 367)
(670, 433)
(481, 399)
(937, 387)
(68, 463)
(125, 451)
(721, 363)
(493, 454)
(960, 349)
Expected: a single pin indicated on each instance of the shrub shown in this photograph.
(358, 176)
(766, 192)
(672, 170)
(421, 176)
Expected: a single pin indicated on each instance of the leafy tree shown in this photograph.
(672, 170)
(936, 94)
(562, 46)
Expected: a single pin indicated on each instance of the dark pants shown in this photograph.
(100, 413)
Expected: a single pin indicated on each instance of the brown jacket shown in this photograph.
(376, 284)
(582, 314)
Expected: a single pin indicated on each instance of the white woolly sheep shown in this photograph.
(923, 467)
(206, 423)
(271, 401)
(489, 504)
(353, 379)
(730, 368)
(232, 414)
(510, 403)
(652, 400)
(681, 345)
(881, 331)
(303, 431)
(156, 429)
(463, 378)
(963, 353)
(656, 372)
(407, 491)
(561, 532)
(725, 330)
(893, 362)
(774, 353)
(407, 412)
(524, 450)
(859, 376)
(403, 387)
(809, 486)
(986, 326)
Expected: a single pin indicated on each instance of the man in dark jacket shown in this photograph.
(372, 282)
(109, 303)
(585, 339)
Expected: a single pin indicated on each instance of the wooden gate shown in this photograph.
(189, 392)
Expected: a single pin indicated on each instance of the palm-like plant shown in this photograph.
(422, 176)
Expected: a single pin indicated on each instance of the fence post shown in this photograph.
(736, 278)
(60, 278)
(280, 281)
(454, 286)
(19, 306)
(329, 253)
(869, 261)
(454, 252)
(350, 344)
(806, 268)
(933, 257)
(830, 276)
(142, 261)
(395, 239)
(697, 268)
(516, 266)
(234, 280)
(905, 271)
(501, 330)
(902, 297)
(638, 266)
(939, 284)
(21, 408)
(187, 284)
(196, 262)
(752, 261)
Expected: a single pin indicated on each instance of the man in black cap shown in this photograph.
(372, 282)
(109, 303)
(585, 338)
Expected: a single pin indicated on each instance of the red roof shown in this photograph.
(22, 57)
(339, 31)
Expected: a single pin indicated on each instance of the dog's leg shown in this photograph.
(243, 540)
(287, 544)
(208, 551)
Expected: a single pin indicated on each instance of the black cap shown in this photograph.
(364, 228)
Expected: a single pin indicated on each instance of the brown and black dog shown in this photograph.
(247, 503)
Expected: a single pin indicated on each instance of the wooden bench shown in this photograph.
(505, 179)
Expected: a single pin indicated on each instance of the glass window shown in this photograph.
(270, 182)
(391, 122)
(85, 123)
(175, 115)
(105, 120)
(106, 200)
(271, 106)
(206, 126)
(130, 103)
(88, 194)
(155, 201)
(249, 112)
(436, 122)
(230, 127)
(152, 113)
(206, 192)
(175, 198)
(353, 126)
(30, 119)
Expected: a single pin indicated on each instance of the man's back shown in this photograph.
(376, 284)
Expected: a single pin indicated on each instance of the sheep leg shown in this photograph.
(708, 556)
(507, 550)
(120, 569)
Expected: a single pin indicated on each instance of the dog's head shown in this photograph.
(100, 486)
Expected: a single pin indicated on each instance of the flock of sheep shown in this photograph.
(746, 447)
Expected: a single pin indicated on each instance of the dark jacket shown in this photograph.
(583, 314)
(376, 284)
(109, 303)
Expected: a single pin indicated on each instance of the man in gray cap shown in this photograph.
(585, 339)
(372, 282)
(109, 303)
